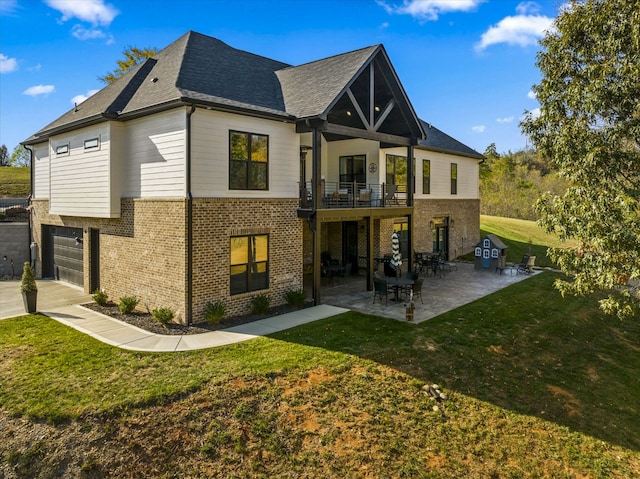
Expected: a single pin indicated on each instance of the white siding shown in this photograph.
(41, 171)
(79, 181)
(154, 155)
(368, 148)
(210, 155)
(468, 174)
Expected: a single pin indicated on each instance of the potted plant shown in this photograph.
(29, 288)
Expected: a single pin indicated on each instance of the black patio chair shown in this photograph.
(526, 265)
(380, 289)
(417, 289)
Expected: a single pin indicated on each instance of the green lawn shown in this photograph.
(536, 385)
(15, 182)
(522, 237)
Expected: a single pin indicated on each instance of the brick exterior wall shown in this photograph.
(463, 234)
(142, 253)
(215, 221)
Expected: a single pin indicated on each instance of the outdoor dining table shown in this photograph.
(397, 284)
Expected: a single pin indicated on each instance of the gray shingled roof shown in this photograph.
(439, 141)
(309, 89)
(200, 69)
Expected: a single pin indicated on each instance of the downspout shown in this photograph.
(32, 260)
(189, 306)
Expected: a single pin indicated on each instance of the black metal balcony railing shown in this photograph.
(353, 195)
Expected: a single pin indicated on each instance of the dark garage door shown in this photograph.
(64, 256)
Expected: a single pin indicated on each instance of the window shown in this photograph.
(454, 178)
(248, 161)
(426, 177)
(92, 143)
(249, 263)
(352, 169)
(62, 149)
(397, 171)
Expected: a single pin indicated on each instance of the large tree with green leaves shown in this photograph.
(20, 157)
(589, 128)
(132, 57)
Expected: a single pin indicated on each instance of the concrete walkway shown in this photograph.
(62, 303)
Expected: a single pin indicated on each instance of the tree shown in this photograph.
(4, 156)
(589, 128)
(20, 156)
(132, 57)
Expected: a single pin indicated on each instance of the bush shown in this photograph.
(295, 297)
(28, 282)
(163, 315)
(128, 304)
(214, 311)
(260, 304)
(100, 297)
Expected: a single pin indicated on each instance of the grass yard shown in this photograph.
(522, 237)
(536, 386)
(15, 182)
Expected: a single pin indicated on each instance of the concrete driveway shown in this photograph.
(51, 295)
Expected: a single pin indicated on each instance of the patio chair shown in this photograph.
(390, 194)
(364, 198)
(526, 266)
(380, 289)
(412, 275)
(417, 289)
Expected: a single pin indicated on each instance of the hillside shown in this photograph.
(15, 182)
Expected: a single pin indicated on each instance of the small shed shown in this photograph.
(490, 253)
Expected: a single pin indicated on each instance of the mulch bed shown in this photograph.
(145, 320)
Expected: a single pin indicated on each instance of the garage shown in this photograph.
(62, 254)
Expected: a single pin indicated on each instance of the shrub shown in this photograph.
(260, 304)
(163, 315)
(128, 304)
(214, 311)
(28, 282)
(295, 297)
(100, 297)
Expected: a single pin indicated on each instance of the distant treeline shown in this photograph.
(510, 183)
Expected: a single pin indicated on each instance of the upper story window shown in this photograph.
(352, 169)
(62, 149)
(454, 178)
(92, 143)
(426, 177)
(397, 170)
(248, 161)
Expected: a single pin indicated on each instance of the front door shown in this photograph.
(441, 237)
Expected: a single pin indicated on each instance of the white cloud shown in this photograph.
(506, 119)
(527, 8)
(429, 9)
(7, 7)
(76, 100)
(522, 29)
(7, 65)
(478, 129)
(82, 33)
(531, 95)
(95, 12)
(533, 114)
(39, 90)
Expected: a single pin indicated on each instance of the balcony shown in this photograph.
(340, 195)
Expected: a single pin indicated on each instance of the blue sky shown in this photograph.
(466, 65)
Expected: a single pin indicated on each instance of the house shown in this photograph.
(209, 173)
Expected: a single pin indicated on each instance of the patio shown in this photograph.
(439, 294)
